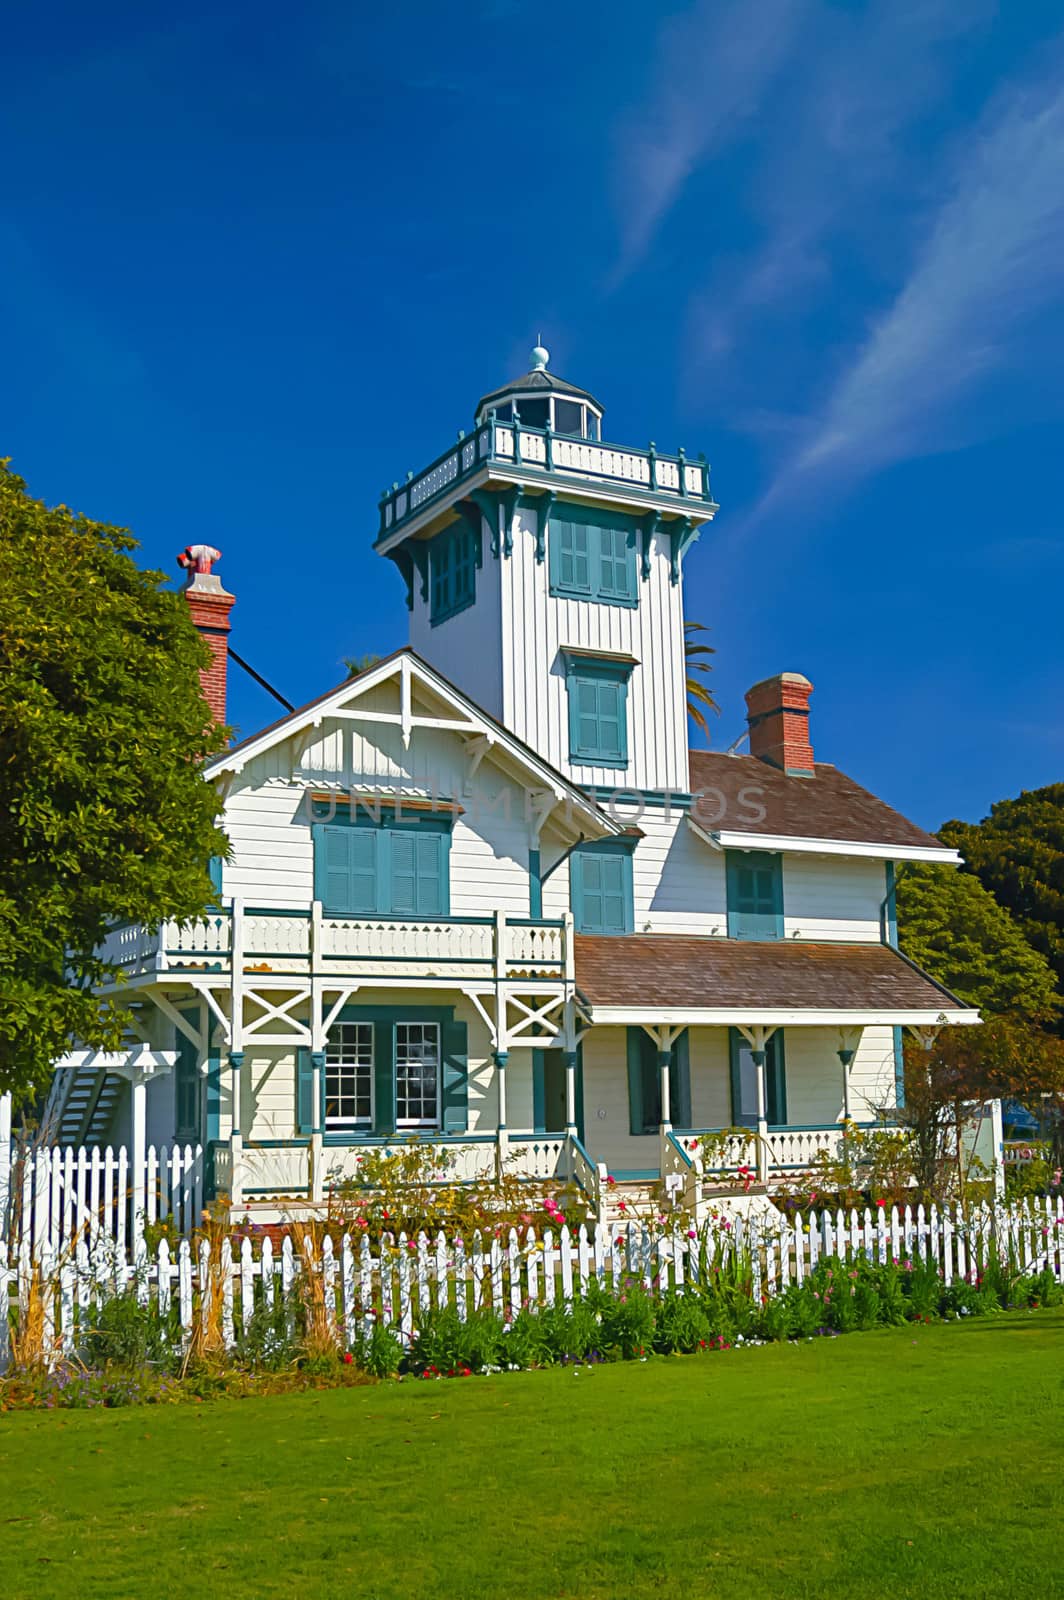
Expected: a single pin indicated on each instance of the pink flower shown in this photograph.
(691, 1234)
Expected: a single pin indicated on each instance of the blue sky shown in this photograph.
(256, 262)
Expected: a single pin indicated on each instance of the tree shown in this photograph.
(357, 665)
(1017, 852)
(956, 930)
(1004, 1057)
(699, 695)
(104, 814)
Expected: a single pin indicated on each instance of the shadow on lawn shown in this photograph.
(1034, 1321)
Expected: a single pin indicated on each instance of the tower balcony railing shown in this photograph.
(281, 941)
(542, 451)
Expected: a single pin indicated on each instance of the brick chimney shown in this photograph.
(777, 713)
(209, 605)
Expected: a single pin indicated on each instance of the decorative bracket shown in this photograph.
(649, 524)
(684, 533)
(543, 506)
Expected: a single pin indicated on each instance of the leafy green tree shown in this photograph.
(1017, 852)
(956, 930)
(104, 814)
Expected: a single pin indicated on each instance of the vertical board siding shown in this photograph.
(536, 624)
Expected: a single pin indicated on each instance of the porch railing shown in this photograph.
(544, 450)
(282, 940)
(722, 1152)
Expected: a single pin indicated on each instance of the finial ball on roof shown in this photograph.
(540, 357)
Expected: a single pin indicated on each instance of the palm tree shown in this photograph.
(359, 664)
(699, 695)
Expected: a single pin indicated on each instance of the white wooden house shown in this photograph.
(485, 893)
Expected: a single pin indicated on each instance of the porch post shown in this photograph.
(846, 1057)
(5, 1161)
(317, 1138)
(758, 1058)
(570, 1093)
(236, 1138)
(664, 1061)
(501, 1058)
(138, 1143)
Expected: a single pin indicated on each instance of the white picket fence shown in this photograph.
(405, 1278)
(58, 1195)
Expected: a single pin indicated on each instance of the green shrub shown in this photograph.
(923, 1286)
(121, 1332)
(680, 1324)
(574, 1332)
(628, 1323)
(379, 1351)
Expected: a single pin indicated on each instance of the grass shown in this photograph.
(914, 1462)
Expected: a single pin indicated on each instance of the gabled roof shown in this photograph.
(469, 721)
(732, 979)
(828, 809)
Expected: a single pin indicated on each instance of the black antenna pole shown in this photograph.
(259, 679)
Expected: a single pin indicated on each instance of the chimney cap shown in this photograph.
(798, 679)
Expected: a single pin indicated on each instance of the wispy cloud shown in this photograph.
(990, 262)
(837, 153)
(714, 65)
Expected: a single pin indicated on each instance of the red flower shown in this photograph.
(348, 1358)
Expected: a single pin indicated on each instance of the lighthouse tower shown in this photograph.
(543, 573)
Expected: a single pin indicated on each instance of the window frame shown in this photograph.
(585, 670)
(620, 849)
(453, 568)
(355, 1124)
(418, 1123)
(758, 930)
(775, 1079)
(595, 523)
(437, 825)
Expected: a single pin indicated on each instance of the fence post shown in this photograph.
(138, 1141)
(5, 1167)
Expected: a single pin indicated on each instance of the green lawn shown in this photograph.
(914, 1462)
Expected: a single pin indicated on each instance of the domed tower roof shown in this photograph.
(536, 384)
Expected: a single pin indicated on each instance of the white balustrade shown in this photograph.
(267, 934)
(537, 1156)
(207, 937)
(535, 950)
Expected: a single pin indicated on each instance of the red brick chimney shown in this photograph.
(777, 713)
(209, 605)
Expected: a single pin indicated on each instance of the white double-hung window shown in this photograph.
(349, 1075)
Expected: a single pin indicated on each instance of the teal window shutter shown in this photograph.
(214, 867)
(636, 1080)
(455, 1050)
(602, 890)
(384, 1077)
(187, 1091)
(616, 571)
(776, 1081)
(680, 1083)
(598, 714)
(579, 1088)
(570, 556)
(452, 571)
(305, 1120)
(345, 870)
(591, 559)
(418, 863)
(429, 853)
(539, 1090)
(403, 873)
(755, 894)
